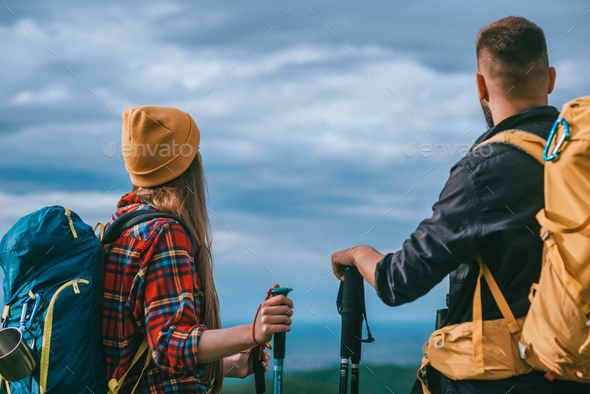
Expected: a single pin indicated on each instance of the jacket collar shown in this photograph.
(522, 120)
(128, 199)
(129, 202)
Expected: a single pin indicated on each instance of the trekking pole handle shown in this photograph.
(348, 312)
(279, 338)
(281, 291)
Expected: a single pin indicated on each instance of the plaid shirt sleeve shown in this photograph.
(171, 307)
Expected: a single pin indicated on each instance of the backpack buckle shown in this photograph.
(545, 234)
(424, 376)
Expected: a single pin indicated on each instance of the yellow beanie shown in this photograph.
(158, 144)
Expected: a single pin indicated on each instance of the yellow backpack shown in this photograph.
(556, 332)
(554, 337)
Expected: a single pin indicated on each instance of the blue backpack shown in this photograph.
(53, 265)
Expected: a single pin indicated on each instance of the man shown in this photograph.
(487, 206)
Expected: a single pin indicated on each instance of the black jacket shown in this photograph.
(487, 206)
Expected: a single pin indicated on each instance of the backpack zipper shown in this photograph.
(71, 223)
(44, 363)
(75, 286)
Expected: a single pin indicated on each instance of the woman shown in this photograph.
(158, 285)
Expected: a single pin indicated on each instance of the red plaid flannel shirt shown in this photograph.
(151, 289)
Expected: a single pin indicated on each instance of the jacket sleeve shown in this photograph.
(171, 301)
(437, 247)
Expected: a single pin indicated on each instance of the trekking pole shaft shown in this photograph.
(279, 355)
(354, 378)
(278, 383)
(355, 359)
(258, 370)
(343, 375)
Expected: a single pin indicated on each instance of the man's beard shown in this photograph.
(487, 113)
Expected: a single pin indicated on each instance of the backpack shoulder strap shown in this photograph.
(523, 140)
(138, 216)
(115, 386)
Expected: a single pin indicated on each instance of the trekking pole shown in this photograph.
(257, 357)
(351, 306)
(348, 311)
(279, 348)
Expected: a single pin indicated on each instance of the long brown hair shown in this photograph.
(184, 197)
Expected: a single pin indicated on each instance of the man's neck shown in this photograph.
(506, 109)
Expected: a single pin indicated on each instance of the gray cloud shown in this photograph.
(302, 140)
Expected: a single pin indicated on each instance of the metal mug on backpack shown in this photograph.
(16, 358)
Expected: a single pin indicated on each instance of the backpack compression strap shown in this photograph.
(527, 142)
(122, 223)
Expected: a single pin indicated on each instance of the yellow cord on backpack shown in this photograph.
(70, 222)
(101, 234)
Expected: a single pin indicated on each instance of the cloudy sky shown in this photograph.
(304, 109)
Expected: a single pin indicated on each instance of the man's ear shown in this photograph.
(482, 88)
(552, 76)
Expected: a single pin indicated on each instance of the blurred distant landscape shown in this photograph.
(312, 362)
(374, 379)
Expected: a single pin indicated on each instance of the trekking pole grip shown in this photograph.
(348, 312)
(279, 338)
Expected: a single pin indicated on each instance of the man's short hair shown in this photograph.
(517, 49)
